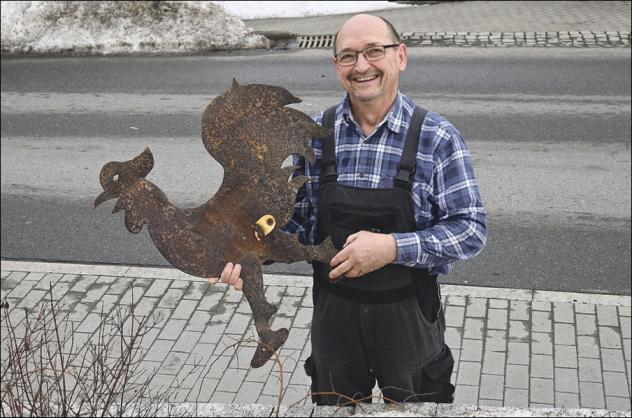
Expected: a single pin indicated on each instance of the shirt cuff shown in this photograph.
(408, 246)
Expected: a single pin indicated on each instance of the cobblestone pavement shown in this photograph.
(575, 39)
(485, 24)
(513, 347)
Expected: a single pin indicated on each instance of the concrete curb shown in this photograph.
(279, 39)
(409, 410)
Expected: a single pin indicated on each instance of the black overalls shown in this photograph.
(388, 324)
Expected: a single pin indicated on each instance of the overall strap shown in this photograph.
(328, 170)
(406, 173)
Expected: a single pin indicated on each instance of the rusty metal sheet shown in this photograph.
(250, 132)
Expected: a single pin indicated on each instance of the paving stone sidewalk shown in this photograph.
(513, 347)
(572, 39)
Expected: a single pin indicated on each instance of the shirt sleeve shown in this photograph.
(459, 229)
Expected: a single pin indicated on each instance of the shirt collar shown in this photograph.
(393, 117)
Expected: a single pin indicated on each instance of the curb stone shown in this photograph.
(412, 409)
(279, 39)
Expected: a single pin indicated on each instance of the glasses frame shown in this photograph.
(363, 51)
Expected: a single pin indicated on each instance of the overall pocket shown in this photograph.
(428, 298)
(347, 219)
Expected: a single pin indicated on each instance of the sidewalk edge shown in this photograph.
(306, 281)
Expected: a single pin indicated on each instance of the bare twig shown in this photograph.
(45, 373)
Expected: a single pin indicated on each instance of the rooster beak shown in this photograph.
(106, 195)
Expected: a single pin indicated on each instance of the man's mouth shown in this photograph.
(365, 78)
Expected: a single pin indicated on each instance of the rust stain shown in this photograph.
(250, 132)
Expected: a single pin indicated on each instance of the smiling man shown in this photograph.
(395, 189)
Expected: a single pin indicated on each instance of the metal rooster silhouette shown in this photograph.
(250, 132)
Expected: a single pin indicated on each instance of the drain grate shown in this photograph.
(315, 41)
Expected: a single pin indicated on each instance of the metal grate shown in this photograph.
(315, 41)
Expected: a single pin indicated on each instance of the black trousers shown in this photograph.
(354, 345)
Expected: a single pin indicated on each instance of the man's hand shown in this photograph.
(230, 275)
(363, 253)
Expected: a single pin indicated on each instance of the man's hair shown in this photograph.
(391, 30)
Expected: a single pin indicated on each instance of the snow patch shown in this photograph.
(121, 27)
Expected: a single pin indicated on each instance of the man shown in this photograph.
(400, 215)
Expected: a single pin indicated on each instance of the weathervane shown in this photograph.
(250, 132)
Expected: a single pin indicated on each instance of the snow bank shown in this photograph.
(271, 9)
(121, 27)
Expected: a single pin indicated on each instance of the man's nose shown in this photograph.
(362, 63)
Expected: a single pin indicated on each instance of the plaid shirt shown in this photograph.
(447, 205)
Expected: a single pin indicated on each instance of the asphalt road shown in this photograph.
(549, 131)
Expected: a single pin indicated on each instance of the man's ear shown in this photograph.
(402, 56)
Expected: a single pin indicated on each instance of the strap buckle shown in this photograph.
(328, 172)
(404, 178)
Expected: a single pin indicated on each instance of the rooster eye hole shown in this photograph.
(115, 178)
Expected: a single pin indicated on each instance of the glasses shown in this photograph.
(372, 53)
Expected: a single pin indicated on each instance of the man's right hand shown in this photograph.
(230, 275)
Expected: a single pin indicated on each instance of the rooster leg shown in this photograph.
(262, 311)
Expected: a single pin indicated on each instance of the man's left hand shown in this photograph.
(363, 253)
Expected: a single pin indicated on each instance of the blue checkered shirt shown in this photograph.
(447, 204)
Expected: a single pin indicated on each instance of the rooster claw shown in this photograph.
(266, 348)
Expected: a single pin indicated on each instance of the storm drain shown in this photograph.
(315, 41)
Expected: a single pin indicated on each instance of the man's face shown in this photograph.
(369, 80)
